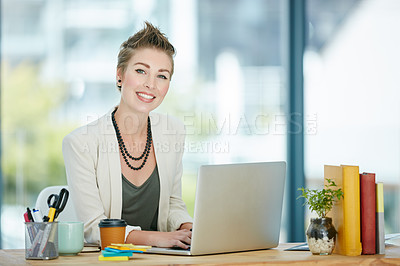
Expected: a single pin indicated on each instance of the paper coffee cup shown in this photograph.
(112, 231)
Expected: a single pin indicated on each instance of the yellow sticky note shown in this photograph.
(101, 257)
(118, 247)
(131, 246)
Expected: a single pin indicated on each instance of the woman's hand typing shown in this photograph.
(181, 238)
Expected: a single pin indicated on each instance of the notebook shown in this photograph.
(238, 207)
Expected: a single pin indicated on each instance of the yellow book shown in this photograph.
(380, 220)
(346, 212)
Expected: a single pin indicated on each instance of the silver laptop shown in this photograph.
(238, 207)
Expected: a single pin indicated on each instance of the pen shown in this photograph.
(45, 239)
(28, 211)
(46, 218)
(26, 218)
(36, 243)
(28, 228)
(37, 216)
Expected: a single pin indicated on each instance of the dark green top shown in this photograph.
(140, 204)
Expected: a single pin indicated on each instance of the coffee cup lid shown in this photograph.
(112, 223)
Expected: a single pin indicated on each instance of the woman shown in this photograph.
(128, 163)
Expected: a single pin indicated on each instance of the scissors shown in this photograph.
(56, 204)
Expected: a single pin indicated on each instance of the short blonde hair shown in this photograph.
(148, 37)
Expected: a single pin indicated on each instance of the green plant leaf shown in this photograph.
(321, 201)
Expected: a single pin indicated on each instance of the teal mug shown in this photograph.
(70, 238)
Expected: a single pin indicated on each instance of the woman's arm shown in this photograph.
(80, 163)
(178, 214)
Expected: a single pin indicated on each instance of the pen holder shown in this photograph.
(41, 240)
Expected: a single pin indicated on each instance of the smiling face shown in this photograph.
(145, 81)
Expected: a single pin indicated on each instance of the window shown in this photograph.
(351, 88)
(227, 87)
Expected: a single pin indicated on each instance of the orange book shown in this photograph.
(346, 212)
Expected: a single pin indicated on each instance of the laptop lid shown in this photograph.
(238, 207)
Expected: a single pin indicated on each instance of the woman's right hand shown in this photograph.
(181, 238)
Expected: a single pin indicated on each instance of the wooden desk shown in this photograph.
(272, 256)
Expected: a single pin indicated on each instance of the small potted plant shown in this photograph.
(321, 234)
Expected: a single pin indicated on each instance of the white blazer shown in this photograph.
(93, 167)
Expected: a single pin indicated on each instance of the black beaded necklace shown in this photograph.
(123, 149)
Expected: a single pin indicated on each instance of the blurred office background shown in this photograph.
(58, 61)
